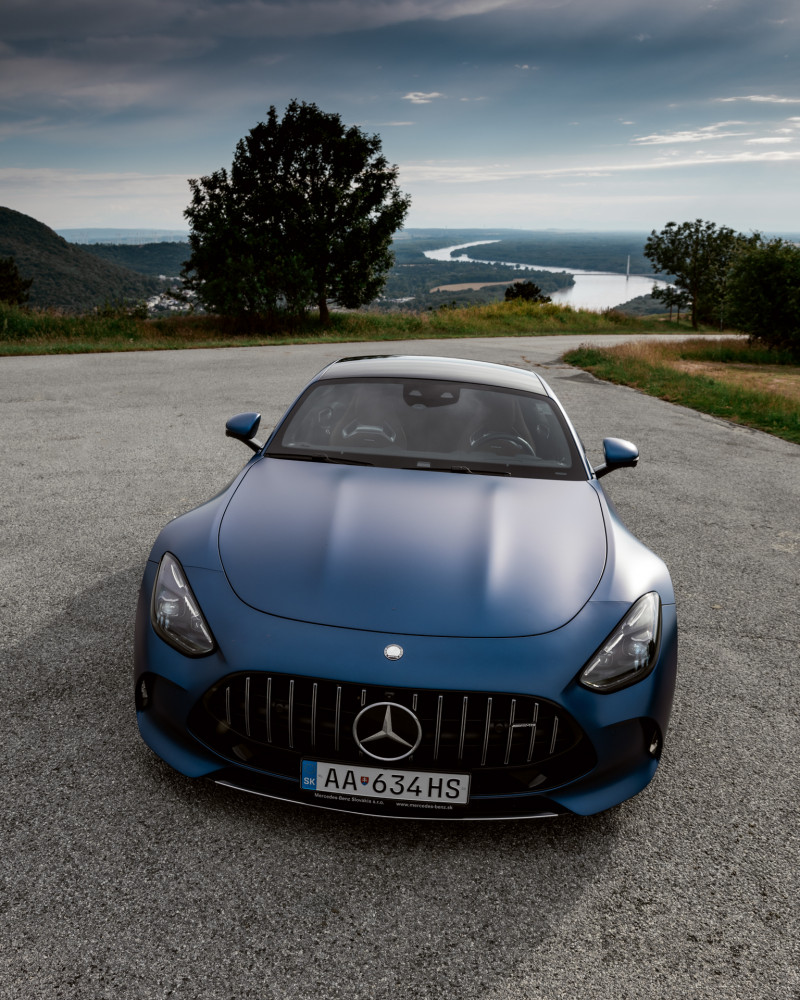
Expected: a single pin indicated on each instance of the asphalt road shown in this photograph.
(122, 879)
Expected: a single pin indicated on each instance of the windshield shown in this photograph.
(427, 424)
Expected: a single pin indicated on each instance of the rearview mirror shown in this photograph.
(619, 454)
(244, 427)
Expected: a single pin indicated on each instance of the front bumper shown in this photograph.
(616, 739)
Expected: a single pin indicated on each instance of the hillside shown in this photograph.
(408, 285)
(65, 276)
(164, 258)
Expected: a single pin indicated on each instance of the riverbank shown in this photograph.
(591, 290)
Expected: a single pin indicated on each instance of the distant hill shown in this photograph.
(66, 276)
(136, 236)
(150, 258)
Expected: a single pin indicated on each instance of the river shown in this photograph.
(596, 290)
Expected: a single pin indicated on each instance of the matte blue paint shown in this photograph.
(412, 551)
(488, 584)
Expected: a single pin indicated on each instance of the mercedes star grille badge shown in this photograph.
(387, 731)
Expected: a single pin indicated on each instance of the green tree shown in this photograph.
(527, 291)
(13, 288)
(764, 293)
(305, 215)
(672, 297)
(699, 255)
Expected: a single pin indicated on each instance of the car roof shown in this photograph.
(445, 369)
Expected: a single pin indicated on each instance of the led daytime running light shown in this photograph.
(175, 613)
(630, 652)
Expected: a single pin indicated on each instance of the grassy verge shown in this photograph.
(30, 332)
(659, 369)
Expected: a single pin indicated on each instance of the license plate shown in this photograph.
(430, 787)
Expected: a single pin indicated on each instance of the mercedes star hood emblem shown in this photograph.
(387, 731)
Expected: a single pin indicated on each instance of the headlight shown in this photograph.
(175, 613)
(630, 652)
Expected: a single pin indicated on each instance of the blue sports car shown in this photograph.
(415, 600)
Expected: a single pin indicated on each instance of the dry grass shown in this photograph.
(781, 379)
(727, 378)
(684, 356)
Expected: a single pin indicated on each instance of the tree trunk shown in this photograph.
(324, 314)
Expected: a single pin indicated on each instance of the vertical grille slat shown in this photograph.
(463, 728)
(314, 715)
(269, 713)
(510, 730)
(486, 730)
(533, 731)
(291, 715)
(247, 706)
(555, 733)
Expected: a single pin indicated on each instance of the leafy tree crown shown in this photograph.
(305, 215)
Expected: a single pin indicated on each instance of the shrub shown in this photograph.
(764, 294)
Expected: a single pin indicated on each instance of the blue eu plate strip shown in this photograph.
(309, 775)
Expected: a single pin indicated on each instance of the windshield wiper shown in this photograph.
(317, 457)
(463, 470)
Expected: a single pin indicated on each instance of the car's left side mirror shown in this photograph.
(619, 454)
(244, 427)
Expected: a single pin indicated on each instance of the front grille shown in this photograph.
(269, 721)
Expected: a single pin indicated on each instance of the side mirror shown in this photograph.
(244, 427)
(619, 454)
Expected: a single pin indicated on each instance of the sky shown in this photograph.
(528, 114)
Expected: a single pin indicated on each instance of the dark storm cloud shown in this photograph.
(23, 19)
(48, 22)
(78, 49)
(539, 86)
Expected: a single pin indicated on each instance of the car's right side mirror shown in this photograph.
(244, 427)
(619, 454)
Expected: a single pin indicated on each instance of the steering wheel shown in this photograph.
(369, 434)
(494, 440)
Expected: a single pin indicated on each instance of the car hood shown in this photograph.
(412, 551)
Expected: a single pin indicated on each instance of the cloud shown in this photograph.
(152, 48)
(418, 97)
(476, 173)
(759, 99)
(230, 18)
(105, 198)
(63, 83)
(690, 135)
(14, 129)
(767, 141)
(74, 181)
